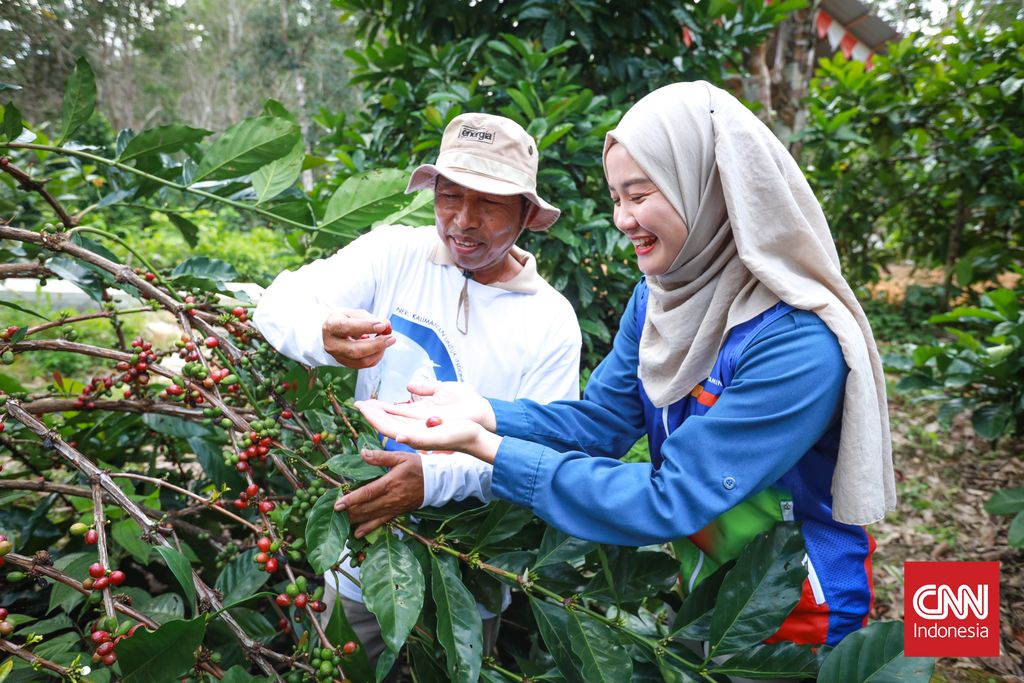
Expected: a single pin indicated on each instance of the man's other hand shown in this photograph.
(355, 338)
(397, 492)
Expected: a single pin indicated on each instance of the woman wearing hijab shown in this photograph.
(743, 355)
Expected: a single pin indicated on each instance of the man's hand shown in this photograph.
(348, 338)
(397, 492)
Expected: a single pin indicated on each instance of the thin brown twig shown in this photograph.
(185, 492)
(33, 659)
(100, 523)
(29, 183)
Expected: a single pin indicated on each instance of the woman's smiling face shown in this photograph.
(642, 213)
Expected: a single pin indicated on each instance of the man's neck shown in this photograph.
(503, 271)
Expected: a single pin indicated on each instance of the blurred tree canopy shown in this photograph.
(204, 62)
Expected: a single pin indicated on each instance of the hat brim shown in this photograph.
(541, 218)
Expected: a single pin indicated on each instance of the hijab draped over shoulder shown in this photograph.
(757, 235)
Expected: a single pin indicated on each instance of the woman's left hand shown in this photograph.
(432, 433)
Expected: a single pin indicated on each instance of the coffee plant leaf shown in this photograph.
(22, 309)
(1015, 534)
(992, 420)
(694, 619)
(385, 662)
(759, 591)
(65, 597)
(552, 622)
(558, 546)
(874, 654)
(602, 658)
(203, 272)
(80, 275)
(326, 532)
(12, 121)
(240, 577)
(354, 468)
(79, 99)
(189, 230)
(632, 575)
(357, 665)
(237, 674)
(459, 626)
(775, 660)
(277, 176)
(364, 199)
(503, 521)
(393, 586)
(1006, 502)
(247, 146)
(163, 655)
(182, 571)
(129, 536)
(162, 140)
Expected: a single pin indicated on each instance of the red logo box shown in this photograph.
(951, 609)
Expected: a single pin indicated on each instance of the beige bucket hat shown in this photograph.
(489, 154)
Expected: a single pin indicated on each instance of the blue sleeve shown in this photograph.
(606, 422)
(785, 394)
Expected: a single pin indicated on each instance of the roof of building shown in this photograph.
(859, 20)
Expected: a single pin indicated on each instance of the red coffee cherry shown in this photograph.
(434, 421)
(97, 570)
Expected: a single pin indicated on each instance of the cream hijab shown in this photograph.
(756, 235)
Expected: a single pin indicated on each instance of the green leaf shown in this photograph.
(992, 420)
(338, 630)
(247, 146)
(1006, 502)
(79, 99)
(459, 627)
(279, 175)
(76, 564)
(163, 655)
(188, 229)
(385, 662)
(204, 273)
(174, 426)
(182, 571)
(22, 309)
(393, 587)
(775, 660)
(504, 520)
(601, 657)
(162, 140)
(552, 622)
(354, 468)
(874, 654)
(237, 674)
(84, 278)
(364, 199)
(693, 621)
(557, 547)
(128, 535)
(759, 591)
(326, 532)
(12, 121)
(240, 577)
(1015, 535)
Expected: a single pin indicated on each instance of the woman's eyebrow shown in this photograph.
(626, 184)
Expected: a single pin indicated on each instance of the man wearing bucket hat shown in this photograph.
(456, 301)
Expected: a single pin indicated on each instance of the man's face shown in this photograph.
(479, 229)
